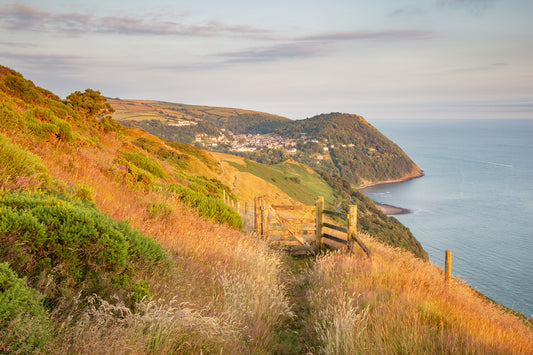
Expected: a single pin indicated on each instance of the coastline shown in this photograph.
(390, 210)
(372, 184)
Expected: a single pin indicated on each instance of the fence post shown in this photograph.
(352, 225)
(448, 266)
(266, 221)
(319, 227)
(263, 217)
(257, 214)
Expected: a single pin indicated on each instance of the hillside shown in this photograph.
(343, 145)
(303, 184)
(116, 241)
(181, 123)
(356, 151)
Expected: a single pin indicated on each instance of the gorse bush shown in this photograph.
(16, 163)
(210, 187)
(71, 243)
(24, 323)
(208, 207)
(140, 160)
(107, 124)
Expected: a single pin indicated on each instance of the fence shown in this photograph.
(305, 232)
(303, 229)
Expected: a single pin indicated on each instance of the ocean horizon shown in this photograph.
(475, 198)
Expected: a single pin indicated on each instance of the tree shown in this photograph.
(91, 103)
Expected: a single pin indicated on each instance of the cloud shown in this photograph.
(23, 17)
(480, 68)
(276, 52)
(365, 35)
(44, 62)
(408, 11)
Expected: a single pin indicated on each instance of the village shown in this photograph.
(254, 142)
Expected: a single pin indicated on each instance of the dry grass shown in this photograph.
(224, 294)
(395, 303)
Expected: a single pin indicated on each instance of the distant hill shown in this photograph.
(357, 151)
(344, 145)
(181, 123)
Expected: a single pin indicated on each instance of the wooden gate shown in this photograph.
(292, 228)
(299, 229)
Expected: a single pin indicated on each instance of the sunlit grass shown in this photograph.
(395, 303)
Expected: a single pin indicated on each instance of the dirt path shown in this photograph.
(293, 336)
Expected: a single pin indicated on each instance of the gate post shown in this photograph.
(319, 226)
(352, 225)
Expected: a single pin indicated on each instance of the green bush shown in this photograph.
(15, 85)
(84, 192)
(140, 160)
(24, 324)
(16, 162)
(208, 207)
(72, 243)
(107, 124)
(158, 209)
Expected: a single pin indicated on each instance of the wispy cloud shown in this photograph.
(479, 68)
(409, 11)
(44, 62)
(25, 18)
(400, 34)
(276, 52)
(22, 17)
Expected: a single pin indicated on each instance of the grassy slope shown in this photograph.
(225, 292)
(296, 180)
(304, 185)
(211, 119)
(236, 306)
(143, 109)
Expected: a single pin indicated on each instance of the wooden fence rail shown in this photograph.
(300, 228)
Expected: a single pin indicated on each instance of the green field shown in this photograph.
(296, 180)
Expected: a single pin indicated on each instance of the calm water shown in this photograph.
(476, 199)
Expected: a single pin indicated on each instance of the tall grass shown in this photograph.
(395, 303)
(224, 292)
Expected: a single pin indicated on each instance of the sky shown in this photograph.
(295, 58)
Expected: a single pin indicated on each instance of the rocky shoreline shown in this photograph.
(389, 209)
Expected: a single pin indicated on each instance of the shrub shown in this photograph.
(84, 192)
(107, 124)
(158, 209)
(140, 160)
(24, 324)
(64, 130)
(71, 243)
(208, 207)
(15, 85)
(16, 162)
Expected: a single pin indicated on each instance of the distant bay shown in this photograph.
(476, 199)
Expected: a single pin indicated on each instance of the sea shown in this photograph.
(475, 199)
